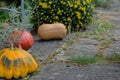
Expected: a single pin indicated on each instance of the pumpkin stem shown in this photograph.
(19, 46)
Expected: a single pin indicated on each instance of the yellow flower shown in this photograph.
(84, 12)
(50, 20)
(56, 17)
(50, 2)
(47, 17)
(90, 1)
(88, 14)
(61, 2)
(68, 19)
(70, 4)
(42, 13)
(78, 14)
(84, 2)
(75, 6)
(87, 1)
(72, 13)
(83, 9)
(77, 27)
(78, 2)
(62, 11)
(43, 4)
(59, 11)
(32, 0)
(81, 23)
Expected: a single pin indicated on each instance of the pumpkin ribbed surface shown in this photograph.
(16, 63)
(52, 31)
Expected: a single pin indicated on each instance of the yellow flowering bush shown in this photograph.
(75, 14)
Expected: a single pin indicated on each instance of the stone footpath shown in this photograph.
(62, 71)
(87, 47)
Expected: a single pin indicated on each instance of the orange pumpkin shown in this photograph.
(23, 38)
(52, 31)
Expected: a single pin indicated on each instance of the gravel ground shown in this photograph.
(61, 71)
(100, 71)
(44, 48)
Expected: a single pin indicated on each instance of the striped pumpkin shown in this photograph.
(15, 63)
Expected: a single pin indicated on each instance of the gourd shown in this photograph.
(52, 31)
(23, 38)
(15, 63)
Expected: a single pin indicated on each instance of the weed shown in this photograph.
(101, 28)
(83, 60)
(115, 57)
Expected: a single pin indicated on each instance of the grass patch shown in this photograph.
(115, 58)
(101, 28)
(83, 60)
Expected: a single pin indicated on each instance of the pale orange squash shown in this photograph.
(52, 31)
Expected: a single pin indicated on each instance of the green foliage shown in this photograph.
(15, 23)
(115, 57)
(75, 14)
(83, 60)
(4, 33)
(2, 4)
(3, 16)
(101, 28)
